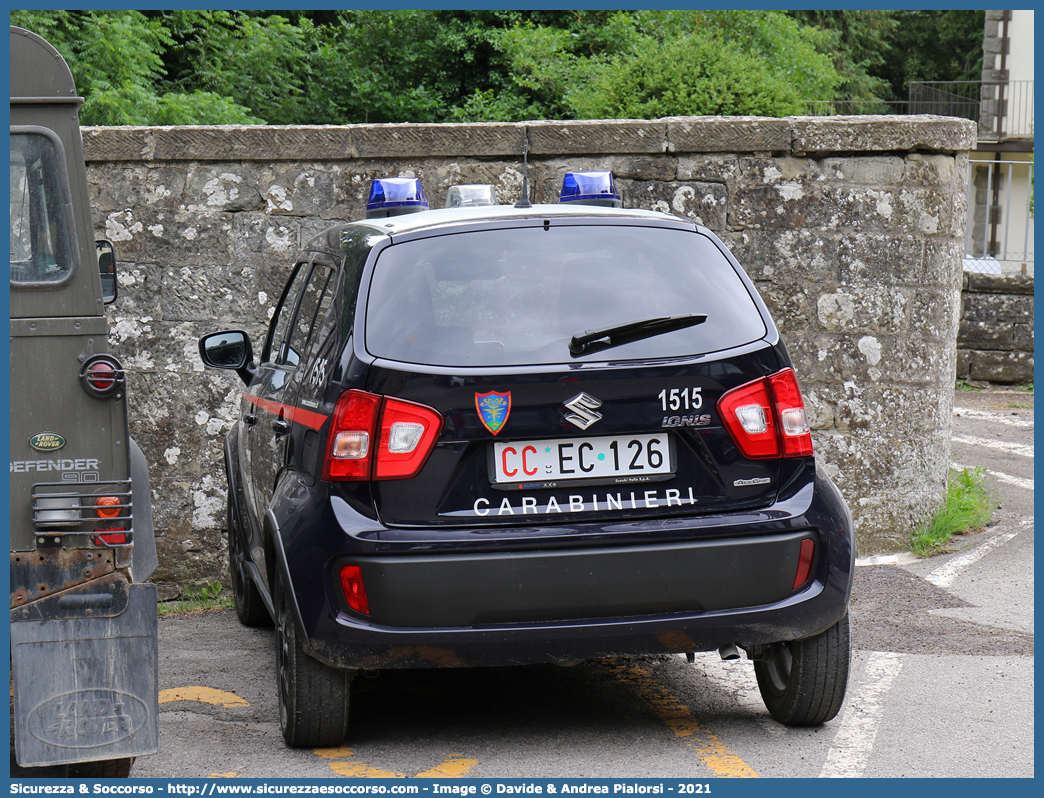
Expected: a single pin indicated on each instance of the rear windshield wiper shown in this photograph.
(619, 334)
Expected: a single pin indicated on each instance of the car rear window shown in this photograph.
(517, 296)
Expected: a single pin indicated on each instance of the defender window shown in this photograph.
(41, 250)
(518, 296)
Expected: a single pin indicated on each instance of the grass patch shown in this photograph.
(963, 386)
(1028, 387)
(210, 596)
(1020, 405)
(968, 506)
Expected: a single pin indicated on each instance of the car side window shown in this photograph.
(312, 302)
(277, 347)
(356, 243)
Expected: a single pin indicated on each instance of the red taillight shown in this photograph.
(767, 418)
(101, 375)
(805, 557)
(793, 420)
(354, 590)
(407, 434)
(354, 425)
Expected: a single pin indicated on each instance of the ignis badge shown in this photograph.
(47, 442)
(493, 409)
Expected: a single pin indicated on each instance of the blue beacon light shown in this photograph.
(590, 188)
(392, 196)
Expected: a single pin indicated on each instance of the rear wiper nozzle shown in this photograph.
(618, 334)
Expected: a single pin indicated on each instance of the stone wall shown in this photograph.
(995, 339)
(850, 227)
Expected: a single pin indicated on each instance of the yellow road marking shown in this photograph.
(453, 768)
(232, 775)
(361, 771)
(719, 760)
(204, 695)
(333, 753)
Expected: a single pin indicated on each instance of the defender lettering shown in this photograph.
(23, 466)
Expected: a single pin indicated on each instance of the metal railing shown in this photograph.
(998, 238)
(1002, 110)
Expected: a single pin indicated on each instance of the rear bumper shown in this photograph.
(489, 590)
(694, 589)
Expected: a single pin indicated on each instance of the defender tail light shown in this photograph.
(101, 375)
(107, 506)
(375, 437)
(767, 418)
(111, 538)
(56, 511)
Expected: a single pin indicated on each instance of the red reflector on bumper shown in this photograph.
(354, 590)
(805, 557)
(111, 539)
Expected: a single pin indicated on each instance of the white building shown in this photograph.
(999, 237)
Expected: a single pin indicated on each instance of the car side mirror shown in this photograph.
(107, 269)
(228, 349)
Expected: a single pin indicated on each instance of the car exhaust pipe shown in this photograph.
(729, 651)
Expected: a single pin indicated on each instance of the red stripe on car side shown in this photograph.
(289, 412)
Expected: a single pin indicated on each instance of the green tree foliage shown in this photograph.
(348, 66)
(684, 76)
(933, 45)
(263, 63)
(757, 63)
(116, 61)
(856, 43)
(648, 64)
(878, 53)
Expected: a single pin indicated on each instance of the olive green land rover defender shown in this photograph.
(83, 622)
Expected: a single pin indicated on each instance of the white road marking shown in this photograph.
(984, 415)
(1018, 482)
(1004, 446)
(945, 575)
(904, 558)
(854, 740)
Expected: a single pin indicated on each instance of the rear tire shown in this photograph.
(803, 682)
(249, 607)
(313, 697)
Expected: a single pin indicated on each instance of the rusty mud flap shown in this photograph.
(86, 687)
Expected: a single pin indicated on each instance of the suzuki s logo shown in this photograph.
(583, 406)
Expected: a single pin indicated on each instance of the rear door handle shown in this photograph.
(281, 426)
(250, 419)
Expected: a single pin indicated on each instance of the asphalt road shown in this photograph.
(941, 684)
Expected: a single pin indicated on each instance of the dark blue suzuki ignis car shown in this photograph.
(492, 435)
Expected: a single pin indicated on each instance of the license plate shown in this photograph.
(613, 458)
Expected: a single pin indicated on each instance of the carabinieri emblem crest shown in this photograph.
(493, 409)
